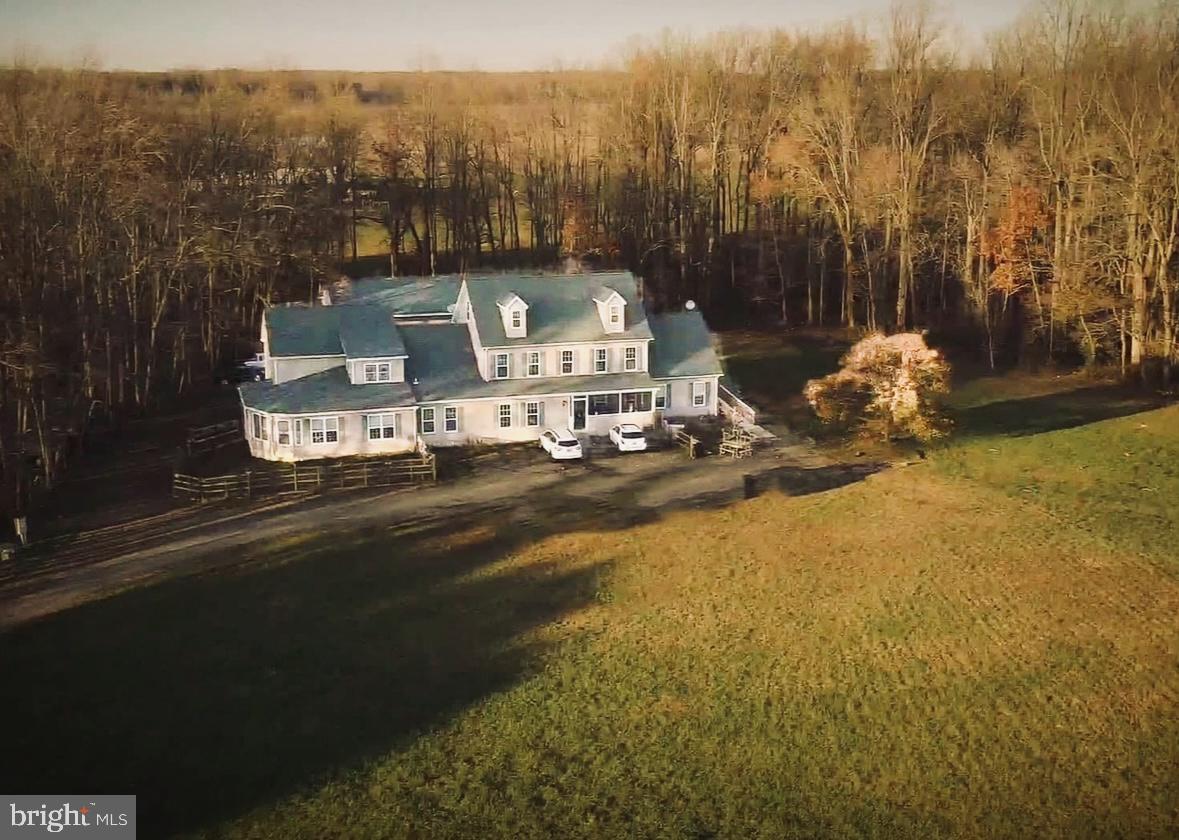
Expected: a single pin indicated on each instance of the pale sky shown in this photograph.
(400, 35)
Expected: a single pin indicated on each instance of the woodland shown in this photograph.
(1020, 204)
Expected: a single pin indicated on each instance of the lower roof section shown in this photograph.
(323, 393)
(442, 367)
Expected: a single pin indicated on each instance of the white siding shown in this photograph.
(583, 358)
(353, 438)
(287, 368)
(680, 397)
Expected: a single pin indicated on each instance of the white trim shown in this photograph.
(565, 393)
(446, 419)
(278, 433)
(433, 421)
(499, 416)
(528, 412)
(626, 351)
(369, 358)
(320, 356)
(382, 424)
(327, 422)
(507, 357)
(605, 352)
(572, 364)
(339, 412)
(376, 366)
(528, 354)
(703, 395)
(607, 338)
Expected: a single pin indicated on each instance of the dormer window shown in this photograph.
(514, 311)
(378, 372)
(611, 309)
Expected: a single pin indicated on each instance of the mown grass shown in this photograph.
(934, 651)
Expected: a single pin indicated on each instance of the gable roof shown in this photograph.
(561, 308)
(683, 346)
(367, 331)
(303, 331)
(324, 393)
(406, 297)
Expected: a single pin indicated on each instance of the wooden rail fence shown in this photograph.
(690, 443)
(209, 438)
(275, 480)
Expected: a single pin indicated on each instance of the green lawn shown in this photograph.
(984, 643)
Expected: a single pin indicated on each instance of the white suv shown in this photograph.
(560, 444)
(628, 437)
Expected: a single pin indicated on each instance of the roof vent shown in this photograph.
(689, 305)
(415, 381)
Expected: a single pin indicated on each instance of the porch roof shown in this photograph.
(325, 392)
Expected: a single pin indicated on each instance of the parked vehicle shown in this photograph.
(561, 444)
(627, 437)
(249, 370)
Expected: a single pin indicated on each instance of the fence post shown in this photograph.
(249, 488)
(295, 475)
(365, 472)
(318, 477)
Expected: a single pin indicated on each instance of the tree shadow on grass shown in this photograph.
(1050, 412)
(219, 692)
(213, 694)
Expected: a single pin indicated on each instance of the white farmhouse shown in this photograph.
(451, 361)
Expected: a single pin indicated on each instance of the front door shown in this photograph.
(578, 413)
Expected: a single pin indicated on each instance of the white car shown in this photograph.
(560, 444)
(628, 437)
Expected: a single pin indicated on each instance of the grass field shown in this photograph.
(983, 643)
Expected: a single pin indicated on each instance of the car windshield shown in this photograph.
(568, 442)
(631, 433)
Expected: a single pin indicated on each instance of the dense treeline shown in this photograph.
(1028, 201)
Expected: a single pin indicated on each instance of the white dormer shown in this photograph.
(611, 309)
(514, 312)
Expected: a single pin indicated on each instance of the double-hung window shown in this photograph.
(699, 394)
(517, 319)
(505, 415)
(532, 414)
(382, 426)
(427, 421)
(378, 372)
(501, 365)
(566, 361)
(256, 424)
(599, 360)
(631, 359)
(283, 428)
(533, 363)
(661, 397)
(325, 429)
(450, 421)
(615, 315)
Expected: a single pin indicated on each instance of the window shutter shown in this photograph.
(397, 424)
(364, 427)
(458, 419)
(340, 429)
(540, 412)
(542, 363)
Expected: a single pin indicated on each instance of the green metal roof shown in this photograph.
(683, 346)
(367, 331)
(561, 308)
(303, 331)
(325, 392)
(441, 366)
(409, 297)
